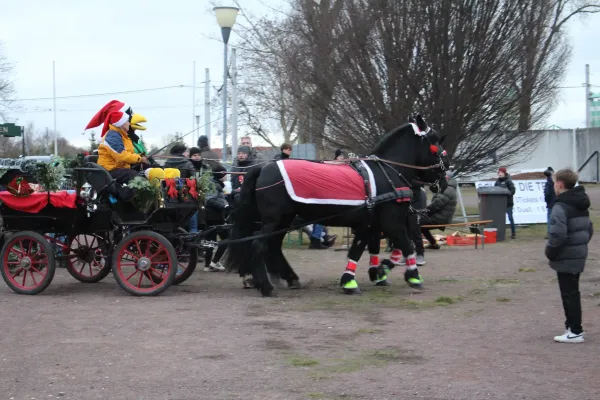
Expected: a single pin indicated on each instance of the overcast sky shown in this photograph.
(111, 46)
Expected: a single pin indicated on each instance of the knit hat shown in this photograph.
(449, 174)
(194, 150)
(101, 116)
(178, 148)
(503, 170)
(338, 153)
(203, 141)
(116, 118)
(244, 149)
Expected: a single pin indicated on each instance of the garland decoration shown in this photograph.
(205, 185)
(50, 176)
(146, 195)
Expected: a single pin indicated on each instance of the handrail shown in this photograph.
(597, 155)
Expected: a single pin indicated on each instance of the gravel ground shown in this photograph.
(482, 329)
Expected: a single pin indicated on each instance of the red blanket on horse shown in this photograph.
(316, 183)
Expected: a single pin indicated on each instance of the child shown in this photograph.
(568, 236)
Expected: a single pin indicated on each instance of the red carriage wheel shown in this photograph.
(144, 263)
(27, 262)
(88, 258)
(187, 259)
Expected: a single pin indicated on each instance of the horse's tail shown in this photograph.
(244, 217)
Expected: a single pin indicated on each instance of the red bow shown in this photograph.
(433, 149)
(172, 192)
(191, 183)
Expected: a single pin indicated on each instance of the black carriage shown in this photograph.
(96, 229)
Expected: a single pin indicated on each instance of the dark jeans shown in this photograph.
(549, 209)
(124, 175)
(208, 256)
(425, 220)
(571, 299)
(509, 212)
(414, 233)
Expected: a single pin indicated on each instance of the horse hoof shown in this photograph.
(295, 284)
(373, 274)
(352, 291)
(416, 285)
(268, 292)
(383, 283)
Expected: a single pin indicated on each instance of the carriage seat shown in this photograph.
(100, 180)
(91, 159)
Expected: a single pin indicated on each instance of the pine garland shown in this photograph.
(50, 176)
(146, 195)
(205, 186)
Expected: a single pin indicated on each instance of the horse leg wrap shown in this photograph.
(411, 262)
(396, 256)
(348, 281)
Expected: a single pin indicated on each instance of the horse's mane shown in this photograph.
(389, 138)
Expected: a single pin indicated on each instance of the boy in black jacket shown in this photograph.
(568, 236)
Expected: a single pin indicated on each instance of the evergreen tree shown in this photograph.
(93, 144)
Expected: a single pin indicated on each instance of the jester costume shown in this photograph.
(117, 149)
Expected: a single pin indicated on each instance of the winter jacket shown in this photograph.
(116, 151)
(443, 205)
(216, 204)
(241, 166)
(570, 231)
(507, 183)
(183, 164)
(281, 156)
(549, 194)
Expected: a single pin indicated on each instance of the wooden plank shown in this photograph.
(459, 224)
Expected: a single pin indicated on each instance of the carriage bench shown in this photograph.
(475, 227)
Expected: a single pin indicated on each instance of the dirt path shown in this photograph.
(481, 330)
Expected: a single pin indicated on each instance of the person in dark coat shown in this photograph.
(242, 163)
(210, 157)
(549, 194)
(440, 211)
(567, 248)
(286, 152)
(418, 202)
(217, 210)
(504, 180)
(179, 161)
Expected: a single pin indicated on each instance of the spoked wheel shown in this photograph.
(144, 263)
(187, 259)
(88, 258)
(27, 263)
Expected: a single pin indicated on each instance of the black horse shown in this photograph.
(410, 152)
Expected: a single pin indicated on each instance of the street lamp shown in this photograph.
(226, 17)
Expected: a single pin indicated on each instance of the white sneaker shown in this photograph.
(569, 337)
(420, 260)
(214, 267)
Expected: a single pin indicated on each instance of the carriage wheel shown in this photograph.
(88, 258)
(27, 263)
(187, 259)
(144, 263)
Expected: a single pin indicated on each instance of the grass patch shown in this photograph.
(316, 395)
(527, 269)
(301, 361)
(503, 281)
(448, 280)
(597, 294)
(368, 331)
(478, 291)
(503, 300)
(445, 300)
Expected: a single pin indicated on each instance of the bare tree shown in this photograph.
(6, 86)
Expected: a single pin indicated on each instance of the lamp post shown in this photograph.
(226, 17)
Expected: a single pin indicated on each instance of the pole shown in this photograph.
(234, 105)
(225, 102)
(197, 125)
(54, 108)
(587, 97)
(462, 204)
(207, 105)
(194, 103)
(23, 140)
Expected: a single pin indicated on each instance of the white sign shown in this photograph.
(530, 206)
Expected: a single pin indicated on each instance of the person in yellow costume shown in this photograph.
(116, 152)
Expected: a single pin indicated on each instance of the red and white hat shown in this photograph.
(116, 118)
(101, 116)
